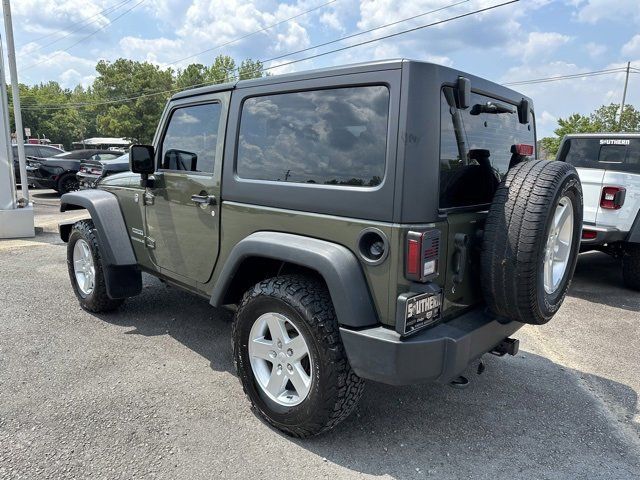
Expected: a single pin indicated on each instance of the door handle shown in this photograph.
(204, 199)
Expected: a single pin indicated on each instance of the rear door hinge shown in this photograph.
(148, 198)
(150, 242)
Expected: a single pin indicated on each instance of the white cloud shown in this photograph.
(621, 11)
(632, 47)
(295, 37)
(595, 49)
(538, 44)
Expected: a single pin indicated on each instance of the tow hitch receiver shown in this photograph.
(507, 346)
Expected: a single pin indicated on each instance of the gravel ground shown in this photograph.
(150, 392)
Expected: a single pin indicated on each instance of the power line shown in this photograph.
(255, 32)
(565, 77)
(264, 69)
(82, 39)
(83, 26)
(101, 12)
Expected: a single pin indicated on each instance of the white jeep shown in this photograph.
(609, 169)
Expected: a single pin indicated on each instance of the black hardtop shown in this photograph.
(477, 83)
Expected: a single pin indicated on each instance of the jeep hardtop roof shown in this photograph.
(477, 83)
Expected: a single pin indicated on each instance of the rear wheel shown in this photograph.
(631, 265)
(531, 241)
(68, 183)
(290, 358)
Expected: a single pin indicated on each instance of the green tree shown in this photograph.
(194, 75)
(223, 69)
(250, 69)
(604, 119)
(146, 85)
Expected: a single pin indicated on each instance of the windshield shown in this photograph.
(603, 153)
(477, 148)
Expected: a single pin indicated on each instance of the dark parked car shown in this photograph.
(36, 151)
(92, 171)
(59, 171)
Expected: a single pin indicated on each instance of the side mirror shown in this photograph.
(142, 159)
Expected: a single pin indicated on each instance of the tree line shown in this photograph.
(125, 99)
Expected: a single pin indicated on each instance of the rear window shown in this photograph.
(604, 153)
(329, 137)
(477, 148)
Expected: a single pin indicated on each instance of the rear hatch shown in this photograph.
(478, 145)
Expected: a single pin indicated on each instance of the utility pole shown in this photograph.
(624, 95)
(16, 215)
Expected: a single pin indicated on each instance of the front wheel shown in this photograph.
(290, 358)
(85, 269)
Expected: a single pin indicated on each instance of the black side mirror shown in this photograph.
(142, 159)
(523, 111)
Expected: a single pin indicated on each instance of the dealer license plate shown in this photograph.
(422, 310)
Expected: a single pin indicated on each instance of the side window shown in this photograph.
(328, 137)
(191, 138)
(633, 156)
(612, 154)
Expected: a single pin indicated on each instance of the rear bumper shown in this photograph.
(603, 235)
(437, 354)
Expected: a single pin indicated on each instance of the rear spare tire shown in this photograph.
(531, 241)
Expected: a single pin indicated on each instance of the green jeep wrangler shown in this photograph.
(385, 221)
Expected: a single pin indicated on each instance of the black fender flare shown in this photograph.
(122, 273)
(337, 265)
(634, 233)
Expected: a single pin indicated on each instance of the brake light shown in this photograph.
(423, 250)
(589, 234)
(613, 197)
(524, 149)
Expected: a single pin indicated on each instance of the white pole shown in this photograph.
(624, 96)
(9, 196)
(15, 89)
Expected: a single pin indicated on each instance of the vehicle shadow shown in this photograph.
(160, 310)
(598, 279)
(525, 417)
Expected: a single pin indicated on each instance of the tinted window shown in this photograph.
(48, 151)
(477, 148)
(190, 140)
(605, 153)
(330, 137)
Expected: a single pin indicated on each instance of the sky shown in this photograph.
(62, 40)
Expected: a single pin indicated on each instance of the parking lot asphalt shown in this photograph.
(150, 391)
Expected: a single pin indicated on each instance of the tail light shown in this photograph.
(524, 149)
(422, 252)
(589, 234)
(612, 197)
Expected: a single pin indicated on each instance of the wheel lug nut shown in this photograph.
(272, 354)
(289, 368)
(279, 344)
(279, 371)
(289, 352)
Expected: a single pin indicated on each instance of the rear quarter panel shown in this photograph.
(591, 179)
(623, 218)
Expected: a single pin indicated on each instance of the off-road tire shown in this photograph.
(515, 237)
(63, 183)
(97, 301)
(335, 388)
(631, 266)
